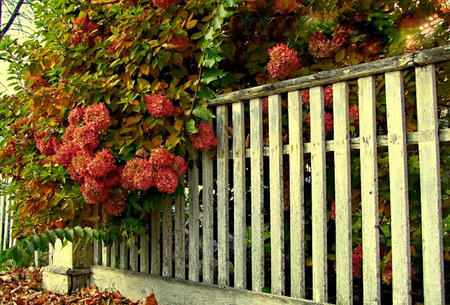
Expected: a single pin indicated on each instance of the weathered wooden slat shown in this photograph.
(343, 195)
(318, 195)
(97, 245)
(369, 190)
(358, 71)
(114, 255)
(7, 226)
(240, 252)
(134, 259)
(106, 249)
(398, 179)
(208, 216)
(276, 196)
(167, 238)
(222, 194)
(430, 186)
(170, 291)
(144, 255)
(257, 194)
(382, 141)
(180, 238)
(194, 236)
(296, 182)
(155, 249)
(124, 256)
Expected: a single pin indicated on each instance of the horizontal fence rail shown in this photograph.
(243, 221)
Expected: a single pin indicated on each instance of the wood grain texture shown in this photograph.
(222, 194)
(343, 195)
(240, 251)
(137, 286)
(208, 217)
(194, 235)
(3, 227)
(369, 190)
(134, 257)
(155, 249)
(97, 245)
(297, 205)
(114, 255)
(276, 197)
(257, 194)
(430, 186)
(322, 78)
(124, 255)
(144, 255)
(180, 238)
(318, 195)
(167, 238)
(398, 180)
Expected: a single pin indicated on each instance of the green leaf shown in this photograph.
(230, 3)
(36, 242)
(78, 231)
(68, 233)
(190, 126)
(340, 55)
(43, 243)
(60, 234)
(15, 254)
(202, 112)
(212, 75)
(51, 237)
(206, 94)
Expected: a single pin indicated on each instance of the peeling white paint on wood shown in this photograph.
(318, 195)
(297, 204)
(430, 186)
(276, 197)
(398, 179)
(343, 194)
(257, 193)
(369, 190)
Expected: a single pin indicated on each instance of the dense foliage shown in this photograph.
(111, 93)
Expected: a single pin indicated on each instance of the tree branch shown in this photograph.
(11, 19)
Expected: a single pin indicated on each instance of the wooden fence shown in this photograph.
(218, 234)
(6, 239)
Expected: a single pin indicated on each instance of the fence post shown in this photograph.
(70, 269)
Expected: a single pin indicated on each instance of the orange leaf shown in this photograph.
(151, 299)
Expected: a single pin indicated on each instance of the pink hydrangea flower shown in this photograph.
(116, 202)
(353, 112)
(166, 180)
(137, 175)
(283, 61)
(76, 115)
(102, 163)
(65, 154)
(47, 146)
(97, 116)
(159, 106)
(286, 7)
(180, 166)
(328, 121)
(357, 258)
(205, 138)
(161, 157)
(163, 3)
(94, 191)
(328, 96)
(81, 161)
(86, 137)
(321, 46)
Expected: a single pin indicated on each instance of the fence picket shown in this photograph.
(430, 186)
(124, 256)
(144, 254)
(7, 227)
(398, 179)
(296, 182)
(155, 249)
(2, 222)
(276, 196)
(257, 194)
(208, 213)
(222, 194)
(194, 238)
(134, 260)
(97, 245)
(318, 195)
(114, 260)
(343, 195)
(167, 238)
(180, 239)
(106, 249)
(240, 252)
(369, 190)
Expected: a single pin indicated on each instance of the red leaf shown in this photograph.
(151, 299)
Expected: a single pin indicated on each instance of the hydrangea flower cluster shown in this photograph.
(37, 82)
(116, 202)
(265, 106)
(353, 113)
(46, 144)
(205, 138)
(321, 46)
(180, 43)
(163, 3)
(327, 97)
(8, 150)
(285, 7)
(161, 170)
(159, 106)
(97, 116)
(83, 27)
(283, 61)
